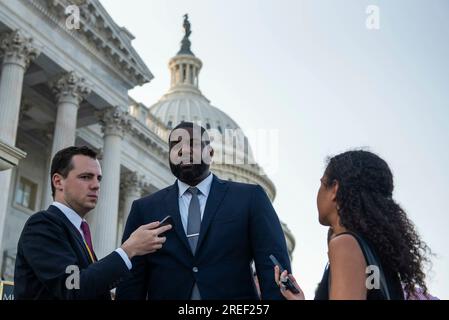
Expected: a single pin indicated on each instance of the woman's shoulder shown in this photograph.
(344, 241)
(345, 248)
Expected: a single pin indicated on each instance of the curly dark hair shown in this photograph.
(366, 207)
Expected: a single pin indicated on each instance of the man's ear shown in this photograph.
(211, 151)
(58, 181)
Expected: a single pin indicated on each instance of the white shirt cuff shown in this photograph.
(125, 257)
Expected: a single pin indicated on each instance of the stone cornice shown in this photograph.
(100, 36)
(10, 156)
(143, 134)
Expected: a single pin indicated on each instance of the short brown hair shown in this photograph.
(62, 161)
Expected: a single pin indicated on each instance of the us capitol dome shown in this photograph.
(185, 102)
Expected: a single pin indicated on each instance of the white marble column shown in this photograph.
(131, 186)
(181, 74)
(189, 75)
(197, 84)
(194, 76)
(17, 51)
(172, 78)
(104, 227)
(70, 90)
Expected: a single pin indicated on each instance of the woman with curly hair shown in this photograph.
(370, 232)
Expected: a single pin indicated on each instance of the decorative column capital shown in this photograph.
(70, 88)
(114, 121)
(18, 49)
(132, 183)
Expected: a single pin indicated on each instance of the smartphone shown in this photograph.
(288, 283)
(167, 220)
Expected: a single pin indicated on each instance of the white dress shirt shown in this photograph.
(185, 197)
(76, 220)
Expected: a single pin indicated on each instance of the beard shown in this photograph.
(189, 174)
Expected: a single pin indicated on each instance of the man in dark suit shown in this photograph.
(55, 257)
(219, 228)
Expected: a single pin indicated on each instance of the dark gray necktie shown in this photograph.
(193, 231)
(194, 219)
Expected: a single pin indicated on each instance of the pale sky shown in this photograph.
(313, 71)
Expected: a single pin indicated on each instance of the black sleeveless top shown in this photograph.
(391, 278)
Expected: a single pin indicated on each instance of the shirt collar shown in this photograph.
(203, 186)
(74, 218)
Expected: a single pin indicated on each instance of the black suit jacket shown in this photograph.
(239, 225)
(49, 243)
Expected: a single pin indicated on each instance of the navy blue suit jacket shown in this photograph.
(48, 244)
(239, 225)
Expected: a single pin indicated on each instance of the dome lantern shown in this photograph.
(185, 67)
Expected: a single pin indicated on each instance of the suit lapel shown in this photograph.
(217, 192)
(72, 229)
(172, 204)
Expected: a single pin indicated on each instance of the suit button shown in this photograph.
(195, 269)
